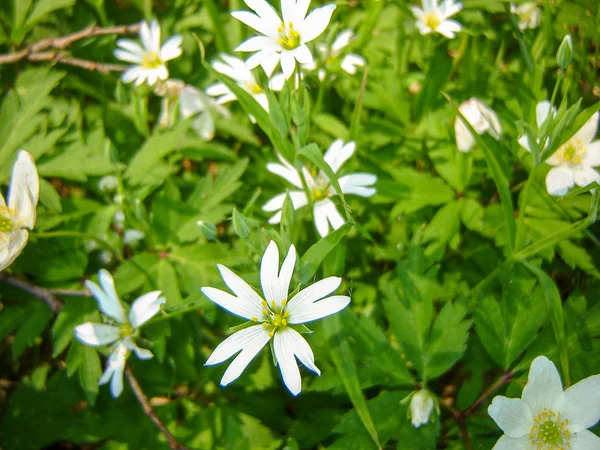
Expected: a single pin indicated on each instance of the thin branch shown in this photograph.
(65, 41)
(149, 411)
(505, 378)
(63, 58)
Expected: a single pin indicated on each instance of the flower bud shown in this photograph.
(421, 406)
(564, 56)
(108, 183)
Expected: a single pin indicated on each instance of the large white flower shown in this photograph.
(122, 329)
(574, 160)
(481, 118)
(325, 212)
(275, 316)
(18, 216)
(282, 39)
(545, 417)
(150, 58)
(236, 69)
(329, 57)
(434, 17)
(529, 15)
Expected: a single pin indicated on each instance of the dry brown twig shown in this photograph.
(39, 51)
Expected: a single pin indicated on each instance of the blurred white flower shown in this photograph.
(421, 407)
(19, 215)
(236, 69)
(122, 330)
(529, 15)
(275, 317)
(574, 160)
(108, 183)
(132, 237)
(325, 212)
(434, 17)
(191, 102)
(545, 417)
(119, 218)
(283, 40)
(330, 56)
(150, 58)
(481, 118)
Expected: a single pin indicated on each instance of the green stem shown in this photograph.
(519, 236)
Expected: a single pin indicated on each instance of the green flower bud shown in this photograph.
(564, 56)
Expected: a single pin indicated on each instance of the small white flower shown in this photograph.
(108, 183)
(19, 215)
(236, 69)
(529, 15)
(434, 17)
(283, 40)
(573, 161)
(329, 56)
(481, 118)
(123, 329)
(325, 212)
(275, 316)
(421, 407)
(132, 236)
(149, 59)
(545, 417)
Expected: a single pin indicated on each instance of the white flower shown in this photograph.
(283, 40)
(18, 216)
(123, 329)
(481, 118)
(236, 69)
(275, 316)
(573, 161)
(330, 56)
(529, 15)
(433, 17)
(325, 212)
(132, 236)
(150, 58)
(545, 417)
(108, 183)
(421, 407)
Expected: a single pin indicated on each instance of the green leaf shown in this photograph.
(314, 256)
(30, 330)
(241, 225)
(45, 7)
(551, 240)
(168, 283)
(440, 67)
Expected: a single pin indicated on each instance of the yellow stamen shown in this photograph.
(151, 60)
(283, 322)
(431, 20)
(254, 319)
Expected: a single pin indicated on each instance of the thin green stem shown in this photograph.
(519, 236)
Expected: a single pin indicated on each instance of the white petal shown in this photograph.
(543, 388)
(320, 212)
(145, 308)
(266, 12)
(141, 353)
(301, 8)
(96, 334)
(249, 340)
(240, 288)
(254, 21)
(449, 8)
(333, 216)
(135, 73)
(338, 153)
(508, 443)
(448, 28)
(24, 189)
(128, 57)
(524, 142)
(288, 64)
(315, 23)
(288, 9)
(146, 37)
(275, 285)
(512, 415)
(288, 344)
(585, 175)
(351, 61)
(592, 155)
(287, 172)
(276, 218)
(276, 203)
(582, 404)
(255, 44)
(116, 364)
(559, 180)
(304, 299)
(108, 300)
(235, 305)
(277, 82)
(464, 139)
(358, 184)
(303, 55)
(341, 41)
(10, 251)
(269, 62)
(320, 309)
(217, 89)
(584, 440)
(131, 47)
(542, 110)
(171, 49)
(587, 132)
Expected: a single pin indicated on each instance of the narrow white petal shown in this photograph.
(108, 302)
(145, 307)
(508, 443)
(128, 57)
(542, 110)
(277, 82)
(592, 155)
(254, 21)
(288, 64)
(303, 55)
(351, 61)
(10, 252)
(269, 61)
(24, 189)
(249, 340)
(320, 309)
(235, 305)
(512, 415)
(284, 353)
(172, 48)
(217, 89)
(582, 404)
(240, 288)
(288, 9)
(464, 139)
(543, 388)
(155, 36)
(338, 153)
(131, 47)
(285, 275)
(559, 180)
(296, 343)
(320, 218)
(141, 353)
(333, 216)
(587, 132)
(448, 28)
(276, 203)
(255, 44)
(276, 218)
(584, 440)
(341, 41)
(287, 172)
(136, 73)
(358, 184)
(269, 270)
(524, 142)
(265, 11)
(117, 364)
(304, 299)
(315, 23)
(96, 334)
(146, 36)
(585, 176)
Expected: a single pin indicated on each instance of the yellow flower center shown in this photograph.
(550, 432)
(573, 152)
(151, 60)
(9, 223)
(274, 316)
(254, 88)
(320, 189)
(289, 38)
(125, 330)
(431, 20)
